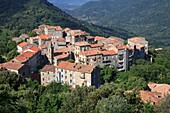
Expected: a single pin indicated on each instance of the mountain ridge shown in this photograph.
(143, 17)
(26, 15)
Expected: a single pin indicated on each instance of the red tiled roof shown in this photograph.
(61, 56)
(152, 97)
(58, 28)
(136, 39)
(160, 88)
(48, 68)
(82, 43)
(24, 56)
(33, 49)
(98, 38)
(94, 45)
(77, 32)
(121, 47)
(11, 65)
(62, 50)
(45, 37)
(109, 52)
(23, 44)
(75, 67)
(90, 52)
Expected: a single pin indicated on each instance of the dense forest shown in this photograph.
(23, 95)
(147, 18)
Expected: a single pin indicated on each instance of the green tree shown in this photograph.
(113, 104)
(107, 73)
(164, 106)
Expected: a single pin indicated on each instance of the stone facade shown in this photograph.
(47, 75)
(75, 74)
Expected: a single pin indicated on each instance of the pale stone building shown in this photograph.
(58, 43)
(139, 46)
(22, 46)
(75, 74)
(54, 31)
(47, 75)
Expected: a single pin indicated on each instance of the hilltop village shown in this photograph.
(72, 56)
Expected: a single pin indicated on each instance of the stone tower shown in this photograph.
(50, 53)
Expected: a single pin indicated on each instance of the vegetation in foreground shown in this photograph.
(22, 95)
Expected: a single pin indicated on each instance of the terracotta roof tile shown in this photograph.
(82, 43)
(121, 47)
(94, 45)
(45, 37)
(61, 56)
(152, 97)
(32, 49)
(98, 38)
(58, 28)
(48, 68)
(75, 67)
(90, 53)
(136, 39)
(77, 32)
(11, 65)
(160, 88)
(24, 56)
(109, 52)
(23, 44)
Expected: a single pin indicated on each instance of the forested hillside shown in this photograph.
(149, 18)
(22, 16)
(19, 95)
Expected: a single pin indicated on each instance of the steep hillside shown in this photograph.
(68, 4)
(149, 18)
(26, 15)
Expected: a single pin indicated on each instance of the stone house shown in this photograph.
(44, 40)
(54, 31)
(90, 57)
(58, 43)
(139, 46)
(47, 75)
(23, 70)
(75, 74)
(22, 46)
(31, 57)
(74, 36)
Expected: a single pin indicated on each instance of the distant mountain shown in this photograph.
(149, 18)
(26, 15)
(69, 4)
